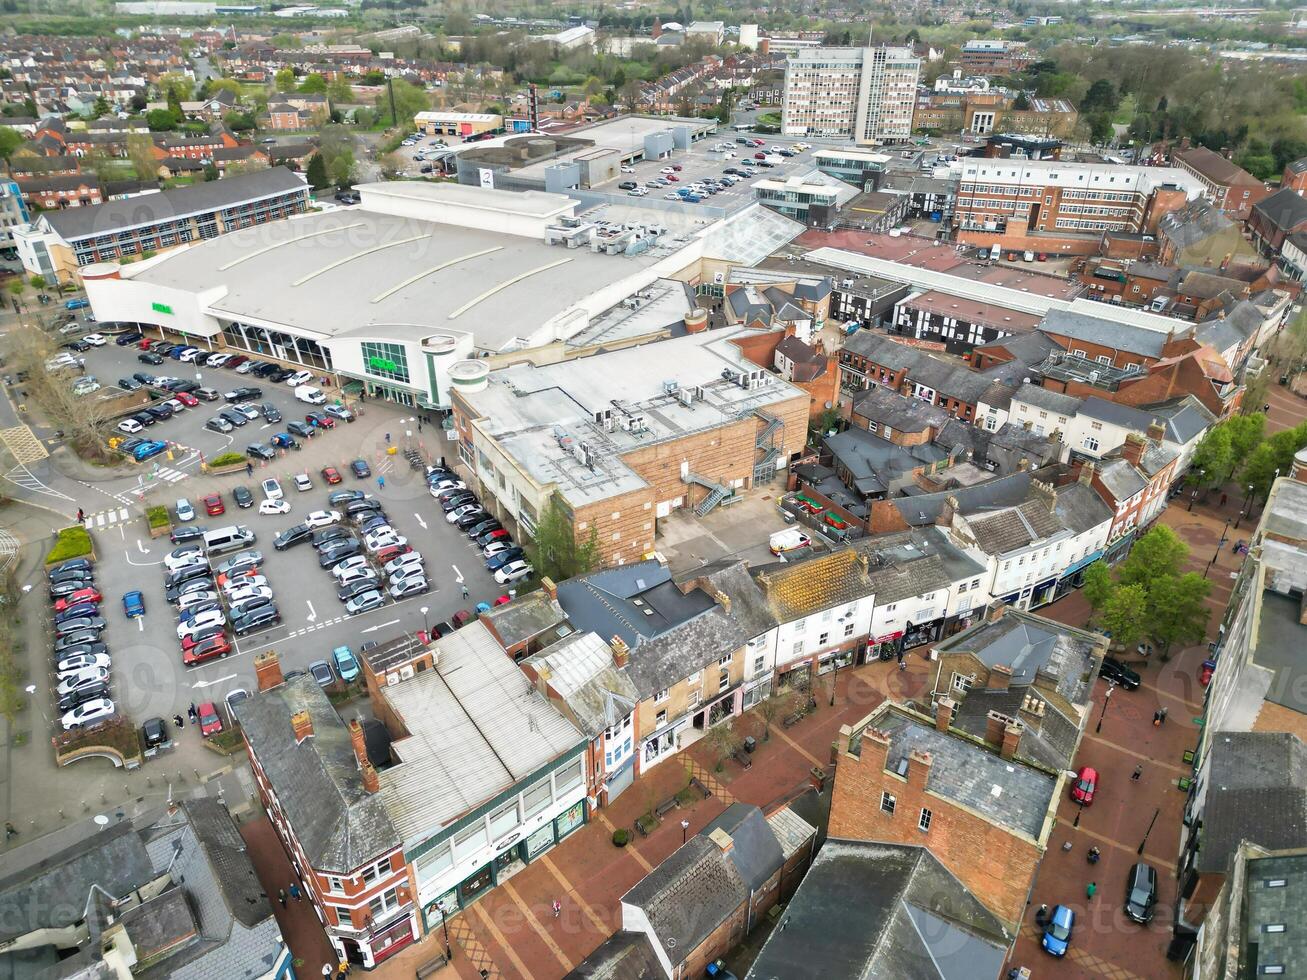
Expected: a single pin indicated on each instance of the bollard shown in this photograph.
(61, 814)
(103, 799)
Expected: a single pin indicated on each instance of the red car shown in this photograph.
(210, 723)
(187, 399)
(83, 595)
(213, 505)
(498, 534)
(214, 646)
(226, 577)
(760, 156)
(331, 474)
(673, 178)
(1082, 790)
(320, 420)
(190, 643)
(389, 552)
(503, 600)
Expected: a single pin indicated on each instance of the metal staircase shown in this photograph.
(717, 492)
(764, 468)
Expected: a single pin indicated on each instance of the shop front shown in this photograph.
(726, 705)
(884, 646)
(1119, 548)
(919, 634)
(795, 677)
(662, 744)
(1074, 575)
(829, 662)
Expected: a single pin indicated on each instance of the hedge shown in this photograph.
(157, 516)
(227, 459)
(73, 542)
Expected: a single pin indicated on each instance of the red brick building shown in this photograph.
(981, 810)
(1230, 187)
(64, 191)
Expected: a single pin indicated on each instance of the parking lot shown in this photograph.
(702, 161)
(148, 676)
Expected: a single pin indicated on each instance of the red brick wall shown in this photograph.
(998, 866)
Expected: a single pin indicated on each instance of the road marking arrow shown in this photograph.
(458, 576)
(373, 629)
(313, 613)
(421, 521)
(215, 681)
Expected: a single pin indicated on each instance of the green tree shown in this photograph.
(1177, 610)
(101, 107)
(314, 84)
(339, 91)
(217, 85)
(342, 168)
(1125, 615)
(140, 150)
(1098, 585)
(1100, 127)
(161, 120)
(38, 282)
(284, 80)
(211, 171)
(1102, 96)
(317, 172)
(1246, 434)
(175, 105)
(1213, 459)
(1273, 457)
(239, 121)
(10, 141)
(723, 742)
(1022, 102)
(556, 551)
(409, 101)
(1158, 554)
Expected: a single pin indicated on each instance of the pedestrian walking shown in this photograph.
(387, 438)
(249, 468)
(465, 592)
(177, 720)
(191, 712)
(1090, 889)
(1161, 716)
(10, 830)
(80, 515)
(1041, 916)
(558, 908)
(1139, 771)
(1266, 408)
(281, 896)
(295, 891)
(1223, 499)
(381, 482)
(1157, 719)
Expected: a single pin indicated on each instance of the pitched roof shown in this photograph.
(1032, 645)
(99, 219)
(802, 588)
(1216, 168)
(1193, 223)
(582, 671)
(1047, 399)
(1014, 528)
(340, 826)
(1106, 333)
(1284, 210)
(867, 910)
(1256, 792)
(1121, 479)
(622, 956)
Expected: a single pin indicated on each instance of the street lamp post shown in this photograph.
(1107, 696)
(1148, 831)
(685, 830)
(425, 629)
(444, 927)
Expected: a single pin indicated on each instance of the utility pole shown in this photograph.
(390, 88)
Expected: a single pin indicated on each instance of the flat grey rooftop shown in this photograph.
(476, 727)
(353, 272)
(530, 410)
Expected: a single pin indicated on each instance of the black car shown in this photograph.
(149, 357)
(1140, 892)
(1118, 673)
(300, 429)
(238, 395)
(337, 497)
(457, 499)
(347, 592)
(338, 552)
(256, 619)
(257, 450)
(627, 185)
(175, 593)
(184, 385)
(60, 589)
(127, 338)
(82, 624)
(481, 527)
(292, 535)
(362, 507)
(361, 469)
(183, 575)
(154, 732)
(144, 378)
(280, 375)
(71, 565)
(327, 535)
(243, 497)
(129, 384)
(144, 418)
(80, 639)
(501, 558)
(468, 521)
(264, 370)
(83, 694)
(73, 576)
(82, 650)
(233, 416)
(161, 412)
(186, 532)
(270, 413)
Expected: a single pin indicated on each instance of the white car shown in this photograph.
(205, 620)
(299, 378)
(244, 582)
(460, 512)
(249, 411)
(272, 489)
(83, 661)
(189, 599)
(130, 426)
(357, 574)
(84, 386)
(74, 680)
(513, 571)
(671, 197)
(397, 566)
(95, 339)
(384, 539)
(189, 356)
(191, 559)
(220, 360)
(322, 518)
(247, 592)
(349, 565)
(667, 170)
(185, 512)
(274, 507)
(97, 709)
(175, 405)
(627, 168)
(246, 367)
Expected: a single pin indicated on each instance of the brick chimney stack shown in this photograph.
(918, 769)
(302, 725)
(1133, 450)
(267, 670)
(994, 725)
(1156, 432)
(1011, 739)
(946, 512)
(370, 781)
(944, 709)
(875, 748)
(1000, 677)
(550, 587)
(1087, 470)
(621, 652)
(359, 743)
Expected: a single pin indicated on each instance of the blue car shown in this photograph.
(1057, 934)
(148, 450)
(77, 304)
(133, 604)
(346, 664)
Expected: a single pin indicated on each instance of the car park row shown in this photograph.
(81, 657)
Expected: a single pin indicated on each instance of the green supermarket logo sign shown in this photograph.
(379, 363)
(161, 308)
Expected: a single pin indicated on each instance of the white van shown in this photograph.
(307, 393)
(995, 252)
(231, 538)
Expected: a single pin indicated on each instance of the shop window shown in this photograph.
(388, 361)
(470, 840)
(503, 820)
(435, 863)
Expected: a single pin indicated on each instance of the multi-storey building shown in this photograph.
(58, 244)
(863, 94)
(1228, 186)
(989, 56)
(13, 212)
(1007, 201)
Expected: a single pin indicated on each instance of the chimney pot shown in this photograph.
(994, 725)
(371, 782)
(944, 708)
(1133, 449)
(302, 726)
(722, 839)
(1000, 677)
(550, 587)
(1011, 739)
(267, 670)
(621, 652)
(918, 768)
(357, 740)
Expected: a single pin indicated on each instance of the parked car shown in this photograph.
(1057, 934)
(210, 723)
(1118, 673)
(300, 429)
(331, 475)
(212, 648)
(133, 604)
(321, 672)
(361, 469)
(346, 664)
(1141, 892)
(513, 571)
(302, 482)
(258, 450)
(187, 532)
(213, 505)
(88, 713)
(1085, 785)
(218, 424)
(364, 602)
(339, 412)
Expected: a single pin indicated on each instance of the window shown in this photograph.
(385, 361)
(1091, 444)
(759, 663)
(568, 777)
(660, 719)
(724, 681)
(962, 683)
(662, 696)
(887, 803)
(823, 639)
(536, 798)
(503, 820)
(694, 678)
(848, 629)
(923, 821)
(798, 648)
(726, 660)
(334, 884)
(470, 840)
(435, 863)
(384, 903)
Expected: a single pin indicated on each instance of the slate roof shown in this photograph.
(801, 588)
(1185, 419)
(1047, 399)
(340, 826)
(1256, 792)
(883, 351)
(1126, 416)
(1029, 349)
(968, 774)
(808, 363)
(1079, 508)
(1006, 491)
(900, 412)
(1220, 333)
(1032, 645)
(582, 671)
(1014, 527)
(866, 911)
(1284, 210)
(1193, 223)
(1121, 479)
(1216, 168)
(622, 956)
(634, 601)
(73, 223)
(526, 617)
(695, 889)
(873, 463)
(1107, 333)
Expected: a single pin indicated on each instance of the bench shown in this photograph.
(742, 757)
(665, 807)
(791, 720)
(694, 781)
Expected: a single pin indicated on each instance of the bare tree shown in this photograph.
(723, 741)
(85, 419)
(781, 703)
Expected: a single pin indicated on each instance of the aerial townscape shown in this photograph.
(631, 491)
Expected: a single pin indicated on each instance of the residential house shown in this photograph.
(986, 814)
(868, 909)
(1228, 186)
(703, 900)
(75, 190)
(1275, 218)
(1025, 667)
(1134, 482)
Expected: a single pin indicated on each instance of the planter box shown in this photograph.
(161, 531)
(220, 470)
